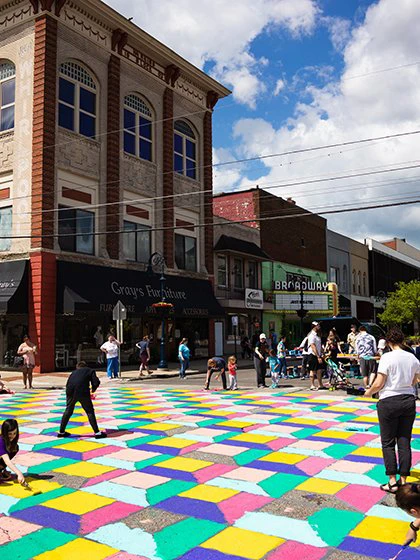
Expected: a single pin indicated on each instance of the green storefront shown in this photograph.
(282, 289)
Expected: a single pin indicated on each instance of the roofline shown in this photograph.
(136, 32)
(379, 247)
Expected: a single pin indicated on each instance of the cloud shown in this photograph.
(220, 33)
(340, 31)
(357, 105)
(280, 85)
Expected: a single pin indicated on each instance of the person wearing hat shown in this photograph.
(260, 356)
(315, 360)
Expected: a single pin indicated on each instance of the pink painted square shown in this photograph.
(34, 439)
(140, 480)
(314, 465)
(212, 471)
(207, 432)
(351, 467)
(221, 449)
(279, 443)
(12, 529)
(360, 497)
(327, 424)
(277, 429)
(249, 474)
(31, 458)
(100, 452)
(308, 444)
(126, 556)
(235, 507)
(361, 439)
(293, 550)
(191, 448)
(106, 476)
(114, 512)
(133, 455)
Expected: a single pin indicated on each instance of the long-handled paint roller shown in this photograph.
(404, 547)
(27, 487)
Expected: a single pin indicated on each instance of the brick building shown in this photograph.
(105, 154)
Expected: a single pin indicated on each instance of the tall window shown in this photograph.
(7, 95)
(364, 284)
(359, 283)
(335, 275)
(252, 274)
(238, 274)
(77, 100)
(186, 252)
(76, 228)
(137, 127)
(222, 271)
(353, 281)
(5, 228)
(185, 150)
(345, 278)
(136, 244)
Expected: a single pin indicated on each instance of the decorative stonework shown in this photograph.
(74, 152)
(190, 90)
(6, 151)
(138, 175)
(78, 22)
(143, 61)
(17, 15)
(184, 184)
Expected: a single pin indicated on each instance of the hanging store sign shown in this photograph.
(254, 299)
(311, 302)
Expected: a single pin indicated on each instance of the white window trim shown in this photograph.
(138, 114)
(226, 284)
(193, 219)
(76, 107)
(185, 137)
(2, 107)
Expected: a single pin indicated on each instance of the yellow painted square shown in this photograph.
(306, 421)
(81, 446)
(78, 502)
(254, 438)
(342, 409)
(381, 529)
(369, 419)
(161, 426)
(185, 464)
(85, 469)
(177, 443)
(17, 491)
(321, 486)
(235, 424)
(79, 548)
(368, 452)
(334, 434)
(286, 458)
(416, 431)
(209, 493)
(219, 413)
(240, 542)
(151, 415)
(80, 430)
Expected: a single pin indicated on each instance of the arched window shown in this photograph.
(7, 95)
(137, 127)
(77, 100)
(185, 150)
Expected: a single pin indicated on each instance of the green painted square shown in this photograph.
(228, 435)
(333, 525)
(40, 499)
(249, 456)
(161, 492)
(305, 433)
(47, 444)
(142, 440)
(51, 465)
(280, 483)
(377, 474)
(177, 539)
(339, 450)
(345, 418)
(34, 544)
(205, 423)
(415, 443)
(139, 465)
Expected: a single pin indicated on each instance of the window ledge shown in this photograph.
(75, 135)
(138, 160)
(181, 177)
(5, 134)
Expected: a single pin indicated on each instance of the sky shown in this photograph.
(306, 74)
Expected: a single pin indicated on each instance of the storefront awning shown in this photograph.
(13, 287)
(91, 288)
(227, 244)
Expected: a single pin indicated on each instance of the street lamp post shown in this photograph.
(157, 260)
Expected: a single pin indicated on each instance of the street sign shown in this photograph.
(119, 313)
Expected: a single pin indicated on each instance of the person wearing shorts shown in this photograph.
(315, 360)
(366, 350)
(144, 353)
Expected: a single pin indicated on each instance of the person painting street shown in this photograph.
(27, 350)
(366, 350)
(232, 366)
(111, 349)
(398, 372)
(8, 448)
(216, 365)
(144, 348)
(184, 357)
(82, 381)
(260, 356)
(315, 361)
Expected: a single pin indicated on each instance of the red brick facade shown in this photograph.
(168, 176)
(113, 195)
(208, 191)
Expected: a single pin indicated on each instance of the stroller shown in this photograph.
(337, 376)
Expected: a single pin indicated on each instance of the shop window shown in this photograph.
(252, 275)
(7, 95)
(76, 229)
(222, 271)
(137, 127)
(186, 252)
(5, 228)
(77, 100)
(136, 242)
(238, 274)
(185, 150)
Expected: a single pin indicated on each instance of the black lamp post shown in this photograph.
(157, 260)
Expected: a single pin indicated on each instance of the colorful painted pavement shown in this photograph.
(201, 476)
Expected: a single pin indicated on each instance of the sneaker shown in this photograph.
(63, 434)
(273, 386)
(101, 435)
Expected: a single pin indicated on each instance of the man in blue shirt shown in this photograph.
(216, 365)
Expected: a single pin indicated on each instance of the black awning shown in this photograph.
(235, 245)
(82, 287)
(13, 287)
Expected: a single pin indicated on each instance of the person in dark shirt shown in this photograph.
(260, 355)
(78, 389)
(216, 365)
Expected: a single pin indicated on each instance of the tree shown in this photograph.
(403, 305)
